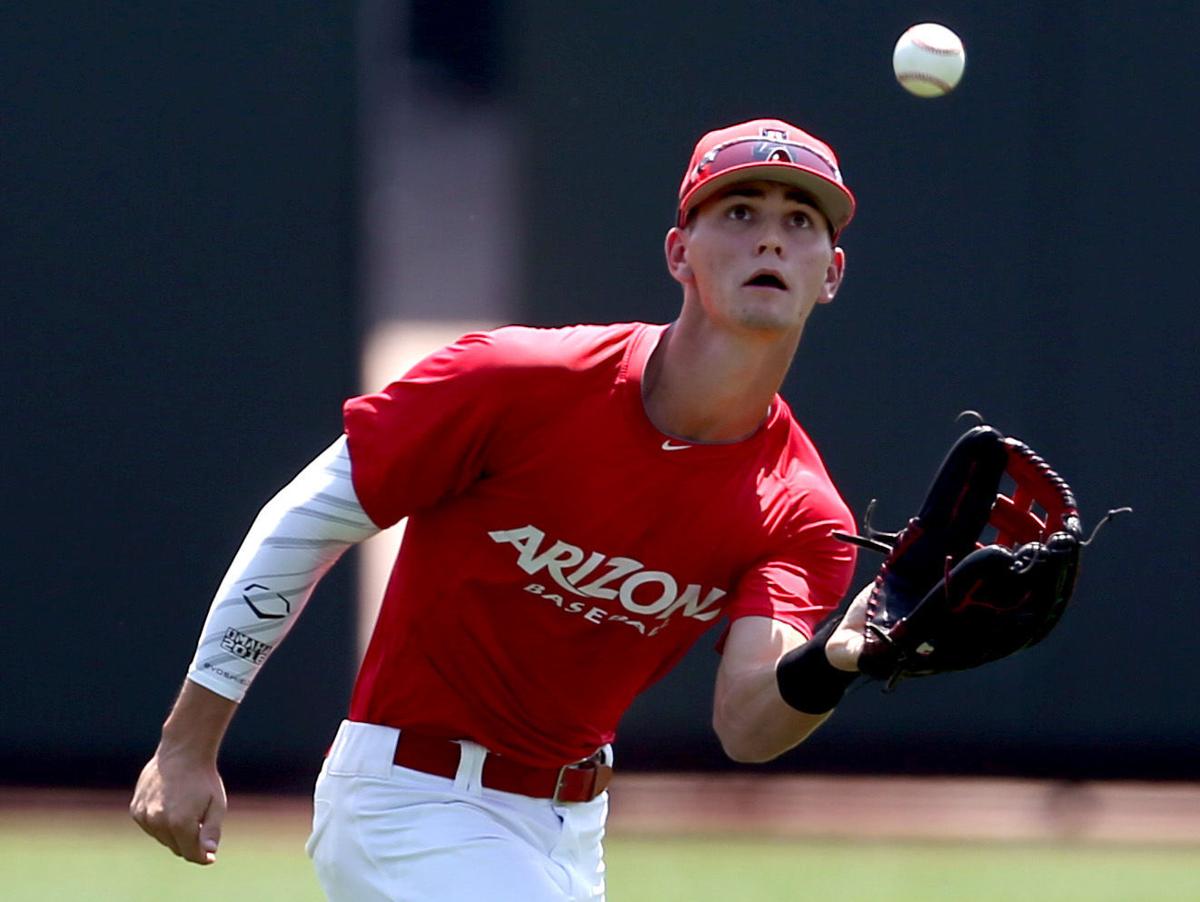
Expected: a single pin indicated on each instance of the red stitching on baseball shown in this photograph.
(921, 76)
(940, 51)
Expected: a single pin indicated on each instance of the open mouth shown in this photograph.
(766, 280)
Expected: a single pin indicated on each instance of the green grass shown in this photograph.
(674, 870)
(92, 858)
(108, 859)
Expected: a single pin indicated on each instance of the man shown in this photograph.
(583, 503)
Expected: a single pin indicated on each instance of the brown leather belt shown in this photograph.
(578, 782)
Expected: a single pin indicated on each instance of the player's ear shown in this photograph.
(834, 273)
(675, 248)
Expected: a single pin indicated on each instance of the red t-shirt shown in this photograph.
(561, 553)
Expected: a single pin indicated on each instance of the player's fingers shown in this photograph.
(210, 829)
(184, 835)
(162, 833)
(184, 831)
(151, 817)
(167, 839)
(856, 614)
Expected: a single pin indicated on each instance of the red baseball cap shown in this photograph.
(772, 150)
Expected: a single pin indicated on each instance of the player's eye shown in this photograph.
(739, 212)
(800, 219)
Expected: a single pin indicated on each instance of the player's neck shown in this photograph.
(713, 387)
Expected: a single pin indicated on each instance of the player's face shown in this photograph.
(758, 256)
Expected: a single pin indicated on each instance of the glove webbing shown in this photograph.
(1014, 518)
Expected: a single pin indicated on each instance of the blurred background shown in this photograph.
(218, 226)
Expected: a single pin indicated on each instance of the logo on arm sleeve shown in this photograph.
(245, 647)
(266, 603)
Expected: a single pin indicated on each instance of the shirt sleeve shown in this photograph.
(298, 535)
(424, 438)
(804, 580)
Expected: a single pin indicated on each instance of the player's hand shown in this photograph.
(180, 801)
(846, 643)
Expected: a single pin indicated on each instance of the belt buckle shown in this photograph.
(591, 766)
(562, 776)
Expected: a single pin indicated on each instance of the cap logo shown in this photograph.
(775, 147)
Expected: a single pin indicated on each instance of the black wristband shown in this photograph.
(806, 679)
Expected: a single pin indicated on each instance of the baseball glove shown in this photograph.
(948, 599)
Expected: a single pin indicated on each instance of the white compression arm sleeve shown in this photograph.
(296, 538)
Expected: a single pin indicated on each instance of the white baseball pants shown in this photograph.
(383, 832)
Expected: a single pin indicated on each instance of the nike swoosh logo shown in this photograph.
(669, 446)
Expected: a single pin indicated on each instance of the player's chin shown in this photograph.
(768, 318)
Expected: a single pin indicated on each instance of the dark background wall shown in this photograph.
(180, 329)
(179, 333)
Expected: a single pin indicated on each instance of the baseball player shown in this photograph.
(583, 504)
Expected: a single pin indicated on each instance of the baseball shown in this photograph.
(929, 60)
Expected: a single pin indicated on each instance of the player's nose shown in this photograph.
(770, 242)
